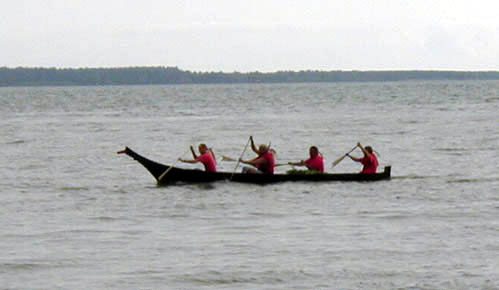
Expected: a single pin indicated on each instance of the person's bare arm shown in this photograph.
(194, 156)
(188, 161)
(362, 148)
(253, 147)
(353, 158)
(255, 161)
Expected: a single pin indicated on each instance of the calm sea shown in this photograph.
(75, 215)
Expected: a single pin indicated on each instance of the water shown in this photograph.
(75, 215)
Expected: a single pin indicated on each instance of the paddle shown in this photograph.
(282, 164)
(343, 157)
(170, 168)
(239, 160)
(227, 158)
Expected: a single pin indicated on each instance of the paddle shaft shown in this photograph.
(226, 158)
(343, 157)
(239, 160)
(170, 168)
(282, 164)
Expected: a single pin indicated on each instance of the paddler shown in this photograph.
(369, 161)
(206, 157)
(263, 163)
(315, 162)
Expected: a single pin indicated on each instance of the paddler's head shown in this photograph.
(313, 151)
(202, 148)
(263, 149)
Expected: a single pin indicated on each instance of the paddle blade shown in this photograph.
(227, 158)
(339, 160)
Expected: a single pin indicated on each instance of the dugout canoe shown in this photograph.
(175, 174)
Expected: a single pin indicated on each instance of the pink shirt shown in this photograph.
(315, 163)
(269, 166)
(208, 161)
(370, 163)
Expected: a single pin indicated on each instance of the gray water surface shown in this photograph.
(75, 215)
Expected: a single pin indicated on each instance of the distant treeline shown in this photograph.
(173, 75)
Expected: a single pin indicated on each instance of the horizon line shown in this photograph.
(246, 72)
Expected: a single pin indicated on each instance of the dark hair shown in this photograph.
(369, 149)
(314, 148)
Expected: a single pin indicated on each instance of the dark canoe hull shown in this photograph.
(175, 174)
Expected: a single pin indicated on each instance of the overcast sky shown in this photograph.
(252, 35)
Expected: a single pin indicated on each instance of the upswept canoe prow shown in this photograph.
(155, 168)
(174, 174)
(164, 175)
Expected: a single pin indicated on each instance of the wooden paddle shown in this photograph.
(230, 159)
(343, 157)
(282, 164)
(170, 168)
(227, 158)
(239, 160)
